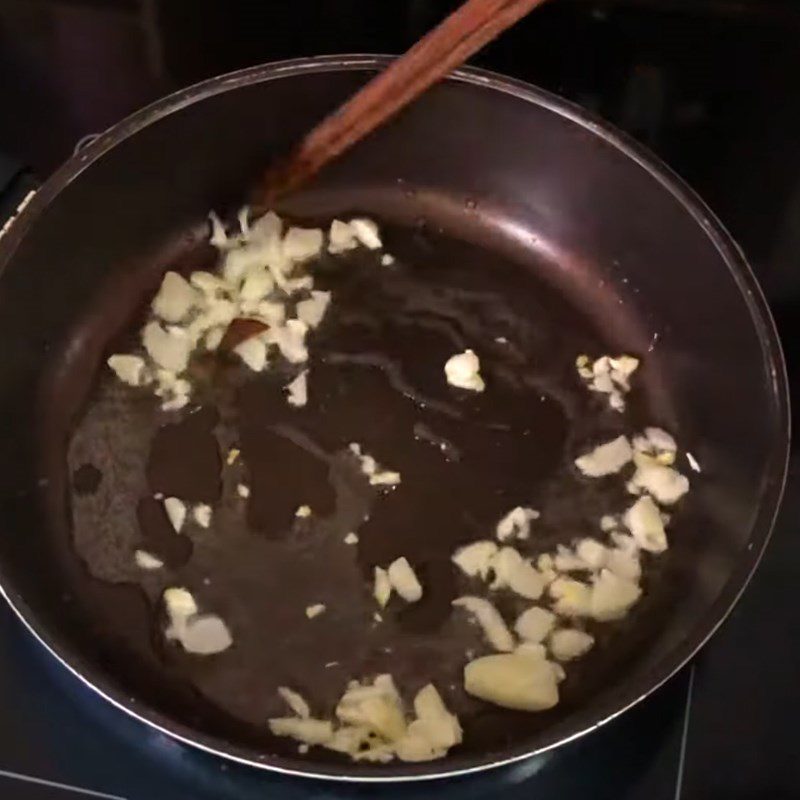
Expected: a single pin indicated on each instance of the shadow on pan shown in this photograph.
(484, 180)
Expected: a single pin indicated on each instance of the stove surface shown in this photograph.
(712, 87)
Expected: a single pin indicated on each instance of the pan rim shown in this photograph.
(593, 717)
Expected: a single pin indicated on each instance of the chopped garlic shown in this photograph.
(382, 587)
(201, 634)
(665, 484)
(513, 572)
(169, 349)
(301, 244)
(404, 580)
(351, 538)
(535, 624)
(175, 298)
(315, 610)
(129, 369)
(433, 732)
(218, 236)
(609, 376)
(233, 454)
(243, 490)
(341, 237)
(253, 352)
(518, 681)
(693, 463)
(516, 524)
(592, 553)
(290, 339)
(377, 708)
(312, 310)
(623, 559)
(369, 466)
(257, 284)
(567, 644)
(643, 520)
(303, 511)
(298, 390)
(308, 731)
(202, 515)
(605, 459)
(176, 512)
(145, 560)
(295, 701)
(612, 596)
(366, 231)
(608, 523)
(463, 371)
(488, 617)
(572, 598)
(475, 559)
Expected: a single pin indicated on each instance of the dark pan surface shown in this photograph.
(558, 240)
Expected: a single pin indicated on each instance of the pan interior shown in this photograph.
(562, 244)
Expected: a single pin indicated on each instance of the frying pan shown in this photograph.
(503, 174)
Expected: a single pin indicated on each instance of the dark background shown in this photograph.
(713, 87)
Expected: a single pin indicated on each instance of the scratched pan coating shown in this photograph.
(513, 217)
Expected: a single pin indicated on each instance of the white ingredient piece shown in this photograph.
(693, 463)
(516, 524)
(351, 538)
(341, 237)
(258, 283)
(290, 339)
(378, 708)
(518, 681)
(243, 490)
(253, 352)
(176, 512)
(612, 596)
(665, 484)
(213, 338)
(202, 514)
(129, 369)
(175, 298)
(145, 560)
(592, 553)
(366, 231)
(488, 617)
(476, 559)
(382, 586)
(387, 259)
(303, 511)
(369, 466)
(301, 244)
(567, 644)
(643, 520)
(169, 349)
(200, 634)
(404, 580)
(297, 390)
(295, 701)
(535, 624)
(315, 610)
(605, 459)
(308, 731)
(512, 571)
(572, 598)
(433, 732)
(623, 558)
(218, 237)
(608, 523)
(312, 310)
(463, 371)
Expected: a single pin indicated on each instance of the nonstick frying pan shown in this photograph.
(484, 172)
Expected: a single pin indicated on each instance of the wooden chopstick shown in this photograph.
(447, 46)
